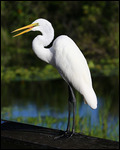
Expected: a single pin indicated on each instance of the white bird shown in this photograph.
(67, 58)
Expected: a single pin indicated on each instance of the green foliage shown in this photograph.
(93, 25)
(28, 74)
(105, 68)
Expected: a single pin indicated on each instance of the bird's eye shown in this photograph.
(37, 24)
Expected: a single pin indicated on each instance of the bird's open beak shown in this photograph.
(28, 27)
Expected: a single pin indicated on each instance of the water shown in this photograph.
(44, 103)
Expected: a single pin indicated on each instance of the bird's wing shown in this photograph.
(70, 62)
(73, 67)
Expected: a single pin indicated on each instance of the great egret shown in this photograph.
(67, 58)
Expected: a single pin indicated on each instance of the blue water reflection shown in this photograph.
(31, 110)
(45, 104)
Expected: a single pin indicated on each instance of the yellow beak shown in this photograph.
(28, 27)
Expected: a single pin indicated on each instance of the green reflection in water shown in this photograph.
(44, 103)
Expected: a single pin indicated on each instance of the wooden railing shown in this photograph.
(23, 136)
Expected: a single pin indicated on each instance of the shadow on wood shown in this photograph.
(23, 136)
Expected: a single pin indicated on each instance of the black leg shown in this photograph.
(71, 101)
(74, 109)
(69, 111)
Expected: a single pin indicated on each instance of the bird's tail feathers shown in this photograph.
(90, 98)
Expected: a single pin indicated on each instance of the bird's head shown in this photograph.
(38, 25)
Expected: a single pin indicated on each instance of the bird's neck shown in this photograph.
(39, 44)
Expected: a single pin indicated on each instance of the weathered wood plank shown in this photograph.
(23, 136)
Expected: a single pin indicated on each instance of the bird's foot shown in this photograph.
(66, 134)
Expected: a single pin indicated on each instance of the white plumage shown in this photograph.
(67, 58)
(72, 65)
